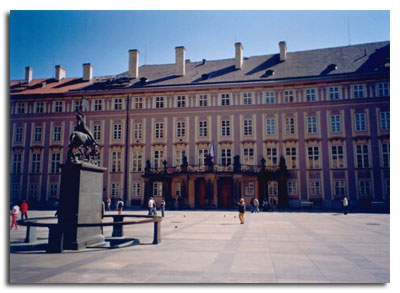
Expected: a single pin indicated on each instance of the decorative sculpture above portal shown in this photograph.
(82, 145)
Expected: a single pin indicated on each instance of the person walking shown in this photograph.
(151, 205)
(265, 204)
(256, 205)
(162, 207)
(252, 205)
(108, 204)
(113, 202)
(14, 216)
(241, 208)
(24, 210)
(120, 205)
(345, 204)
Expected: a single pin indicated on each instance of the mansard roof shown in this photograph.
(319, 63)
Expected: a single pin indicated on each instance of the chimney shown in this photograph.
(60, 72)
(134, 63)
(28, 74)
(87, 72)
(238, 55)
(180, 60)
(282, 51)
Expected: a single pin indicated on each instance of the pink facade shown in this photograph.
(328, 119)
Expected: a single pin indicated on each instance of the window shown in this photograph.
(16, 163)
(14, 190)
(37, 134)
(358, 91)
(137, 130)
(181, 101)
(383, 89)
(313, 157)
(179, 157)
(137, 158)
(337, 153)
(291, 157)
(21, 108)
(159, 130)
(315, 188)
(203, 100)
(157, 188)
(159, 102)
(97, 132)
(117, 131)
(310, 95)
(35, 163)
(249, 188)
(203, 153)
(33, 191)
(270, 126)
(339, 188)
(386, 155)
(19, 134)
(225, 100)
(333, 93)
(248, 127)
(77, 106)
(180, 129)
(225, 127)
(98, 105)
(247, 99)
(292, 187)
(116, 161)
(57, 133)
(336, 123)
(362, 156)
(269, 97)
(178, 189)
(39, 107)
(53, 190)
(272, 156)
(138, 103)
(385, 120)
(203, 131)
(360, 121)
(365, 188)
(118, 104)
(158, 158)
(248, 156)
(136, 189)
(272, 188)
(58, 106)
(289, 126)
(226, 157)
(115, 189)
(55, 163)
(288, 96)
(312, 124)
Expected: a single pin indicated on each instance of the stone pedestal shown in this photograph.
(80, 203)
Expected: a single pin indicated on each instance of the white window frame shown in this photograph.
(98, 105)
(248, 156)
(203, 100)
(159, 102)
(315, 188)
(249, 188)
(248, 127)
(137, 160)
(117, 131)
(338, 157)
(37, 134)
(270, 126)
(116, 161)
(360, 121)
(138, 102)
(157, 189)
(247, 98)
(311, 95)
(225, 99)
(19, 134)
(203, 128)
(364, 186)
(312, 124)
(383, 89)
(288, 96)
(384, 120)
(339, 188)
(158, 158)
(137, 130)
(180, 129)
(385, 154)
(118, 104)
(97, 133)
(225, 127)
(290, 126)
(313, 157)
(55, 160)
(36, 163)
(334, 93)
(270, 97)
(358, 91)
(362, 156)
(159, 130)
(181, 101)
(336, 123)
(291, 157)
(226, 156)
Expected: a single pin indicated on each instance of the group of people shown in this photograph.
(114, 203)
(255, 204)
(15, 211)
(152, 205)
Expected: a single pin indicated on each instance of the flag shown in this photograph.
(211, 151)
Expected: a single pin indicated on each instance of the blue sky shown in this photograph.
(43, 39)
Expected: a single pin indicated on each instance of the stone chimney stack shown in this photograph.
(282, 51)
(134, 63)
(180, 60)
(87, 72)
(60, 73)
(238, 55)
(28, 74)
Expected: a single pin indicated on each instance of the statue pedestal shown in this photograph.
(80, 203)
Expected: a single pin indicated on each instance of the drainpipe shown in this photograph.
(127, 136)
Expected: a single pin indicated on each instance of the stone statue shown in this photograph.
(82, 145)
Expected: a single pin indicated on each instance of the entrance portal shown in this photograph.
(225, 195)
(200, 194)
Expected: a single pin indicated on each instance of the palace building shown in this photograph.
(307, 126)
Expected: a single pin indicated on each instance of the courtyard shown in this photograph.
(212, 247)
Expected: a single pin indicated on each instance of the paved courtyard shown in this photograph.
(212, 247)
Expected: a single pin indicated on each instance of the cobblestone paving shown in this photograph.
(212, 247)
